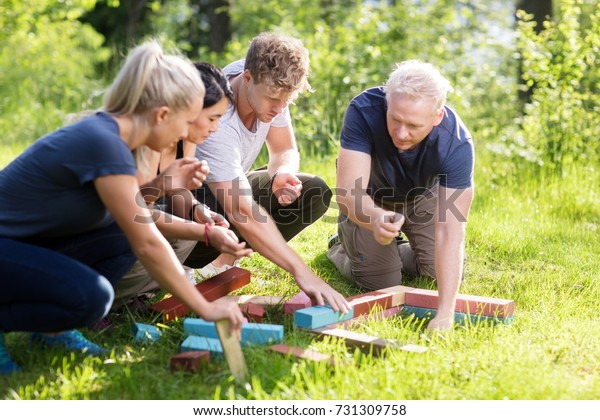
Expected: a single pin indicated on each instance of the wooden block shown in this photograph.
(232, 349)
(252, 333)
(374, 316)
(301, 353)
(255, 313)
(460, 318)
(189, 361)
(212, 289)
(299, 301)
(145, 333)
(319, 316)
(367, 342)
(470, 304)
(197, 343)
(398, 293)
(367, 302)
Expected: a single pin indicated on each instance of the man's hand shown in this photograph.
(443, 322)
(286, 187)
(320, 292)
(387, 227)
(187, 173)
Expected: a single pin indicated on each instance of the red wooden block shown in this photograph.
(365, 303)
(255, 313)
(301, 353)
(189, 361)
(300, 301)
(474, 305)
(212, 289)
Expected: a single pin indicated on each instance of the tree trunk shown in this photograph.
(541, 11)
(219, 23)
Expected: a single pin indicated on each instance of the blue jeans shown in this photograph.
(57, 284)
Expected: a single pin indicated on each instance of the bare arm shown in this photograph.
(353, 172)
(284, 162)
(118, 193)
(450, 224)
(259, 229)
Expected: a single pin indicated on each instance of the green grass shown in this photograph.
(536, 244)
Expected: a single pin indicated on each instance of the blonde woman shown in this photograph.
(71, 222)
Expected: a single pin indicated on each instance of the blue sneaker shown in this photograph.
(70, 340)
(6, 364)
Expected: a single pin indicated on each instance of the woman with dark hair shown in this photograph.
(174, 199)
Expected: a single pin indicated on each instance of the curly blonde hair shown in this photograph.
(280, 62)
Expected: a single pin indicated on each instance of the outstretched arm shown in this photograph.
(119, 193)
(450, 224)
(353, 172)
(259, 229)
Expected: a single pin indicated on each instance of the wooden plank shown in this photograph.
(301, 353)
(367, 343)
(232, 349)
(470, 304)
(212, 289)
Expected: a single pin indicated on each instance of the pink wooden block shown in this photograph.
(300, 301)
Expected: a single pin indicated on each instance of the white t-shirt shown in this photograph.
(232, 149)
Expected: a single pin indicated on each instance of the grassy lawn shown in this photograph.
(536, 245)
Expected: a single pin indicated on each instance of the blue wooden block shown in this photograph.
(252, 333)
(145, 333)
(459, 317)
(320, 316)
(196, 343)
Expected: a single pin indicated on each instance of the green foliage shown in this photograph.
(562, 64)
(46, 62)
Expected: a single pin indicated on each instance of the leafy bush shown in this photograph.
(562, 64)
(47, 63)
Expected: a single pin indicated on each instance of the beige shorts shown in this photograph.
(359, 257)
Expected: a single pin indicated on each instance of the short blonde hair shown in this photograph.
(150, 78)
(415, 79)
(280, 62)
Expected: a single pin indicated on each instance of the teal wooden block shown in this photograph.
(197, 343)
(252, 333)
(459, 317)
(145, 333)
(319, 316)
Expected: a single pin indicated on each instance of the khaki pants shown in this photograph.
(138, 280)
(360, 258)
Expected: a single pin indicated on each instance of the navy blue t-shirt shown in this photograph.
(48, 190)
(446, 154)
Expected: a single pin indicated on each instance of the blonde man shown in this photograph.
(266, 207)
(405, 165)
